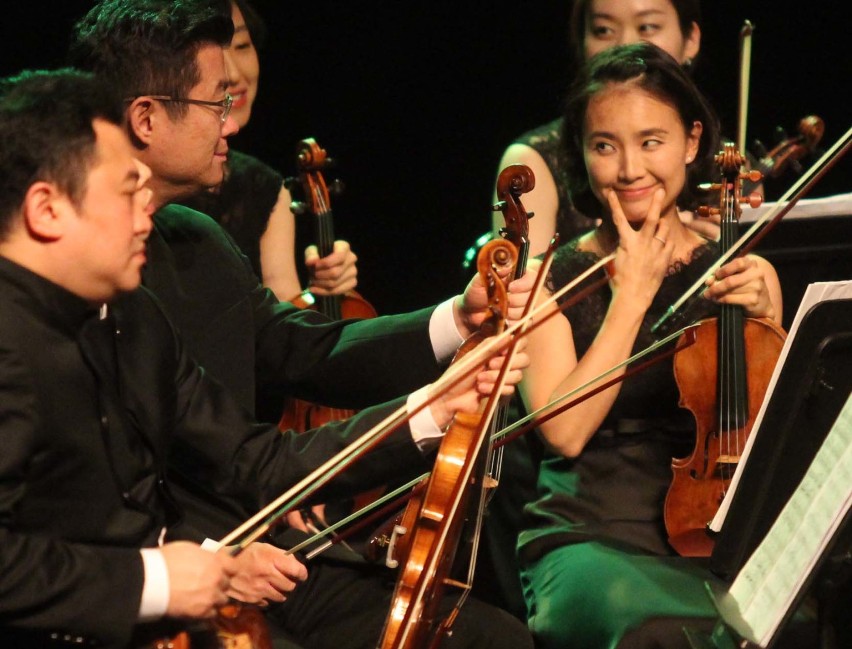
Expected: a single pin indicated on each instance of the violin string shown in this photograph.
(784, 204)
(543, 270)
(457, 372)
(492, 408)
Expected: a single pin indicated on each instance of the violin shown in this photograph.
(312, 160)
(722, 379)
(790, 150)
(514, 180)
(428, 537)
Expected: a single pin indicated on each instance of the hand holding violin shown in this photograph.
(198, 579)
(334, 274)
(470, 308)
(466, 395)
(265, 574)
(750, 282)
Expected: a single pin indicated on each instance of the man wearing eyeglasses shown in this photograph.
(165, 58)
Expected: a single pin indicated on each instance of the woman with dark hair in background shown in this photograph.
(252, 203)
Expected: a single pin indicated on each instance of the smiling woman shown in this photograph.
(242, 60)
(596, 539)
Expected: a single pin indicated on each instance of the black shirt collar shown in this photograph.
(54, 302)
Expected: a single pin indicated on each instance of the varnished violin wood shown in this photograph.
(434, 524)
(433, 538)
(722, 379)
(701, 480)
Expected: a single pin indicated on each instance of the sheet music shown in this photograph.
(814, 294)
(837, 205)
(769, 582)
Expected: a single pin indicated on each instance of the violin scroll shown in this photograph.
(514, 180)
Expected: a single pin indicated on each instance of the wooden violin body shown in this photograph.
(790, 150)
(432, 524)
(701, 480)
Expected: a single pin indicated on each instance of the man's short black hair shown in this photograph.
(46, 133)
(148, 47)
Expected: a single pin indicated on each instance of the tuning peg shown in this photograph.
(498, 206)
(708, 187)
(752, 200)
(291, 182)
(298, 208)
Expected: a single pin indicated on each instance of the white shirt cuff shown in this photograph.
(155, 592)
(424, 430)
(443, 332)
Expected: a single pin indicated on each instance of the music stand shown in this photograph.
(812, 388)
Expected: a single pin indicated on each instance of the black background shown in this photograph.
(417, 100)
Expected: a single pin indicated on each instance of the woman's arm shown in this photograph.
(277, 250)
(640, 264)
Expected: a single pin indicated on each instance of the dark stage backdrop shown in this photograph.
(417, 100)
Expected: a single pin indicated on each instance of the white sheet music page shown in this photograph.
(814, 294)
(839, 205)
(766, 587)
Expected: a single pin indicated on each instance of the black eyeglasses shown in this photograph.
(224, 104)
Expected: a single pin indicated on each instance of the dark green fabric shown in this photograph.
(590, 594)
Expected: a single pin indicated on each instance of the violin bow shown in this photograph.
(559, 405)
(784, 204)
(257, 525)
(532, 320)
(745, 75)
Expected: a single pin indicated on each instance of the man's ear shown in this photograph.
(142, 117)
(45, 209)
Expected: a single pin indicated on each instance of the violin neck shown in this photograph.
(328, 305)
(523, 258)
(732, 387)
